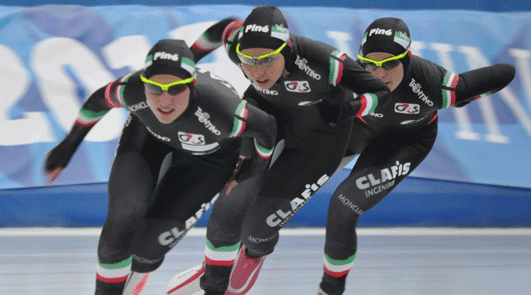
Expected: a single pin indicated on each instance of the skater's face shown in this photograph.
(166, 97)
(263, 66)
(390, 75)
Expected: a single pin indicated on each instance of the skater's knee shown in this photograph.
(344, 208)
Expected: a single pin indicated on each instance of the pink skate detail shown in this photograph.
(140, 285)
(244, 273)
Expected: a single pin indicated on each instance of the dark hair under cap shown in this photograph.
(170, 56)
(265, 27)
(388, 34)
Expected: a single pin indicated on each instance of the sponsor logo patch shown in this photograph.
(407, 108)
(266, 91)
(378, 31)
(280, 218)
(163, 138)
(173, 236)
(297, 86)
(417, 88)
(191, 139)
(204, 118)
(302, 63)
(256, 28)
(138, 106)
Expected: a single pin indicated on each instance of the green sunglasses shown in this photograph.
(173, 88)
(387, 64)
(263, 60)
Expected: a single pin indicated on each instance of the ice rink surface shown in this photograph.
(56, 261)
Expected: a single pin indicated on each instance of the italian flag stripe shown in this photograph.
(112, 280)
(149, 61)
(261, 151)
(219, 262)
(338, 268)
(280, 33)
(188, 65)
(401, 39)
(114, 271)
(121, 89)
(108, 97)
(232, 37)
(364, 38)
(336, 274)
(336, 67)
(229, 28)
(369, 102)
(239, 125)
(87, 118)
(223, 256)
(204, 44)
(448, 96)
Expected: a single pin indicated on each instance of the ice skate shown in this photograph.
(244, 273)
(186, 282)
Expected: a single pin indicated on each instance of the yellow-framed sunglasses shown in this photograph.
(173, 88)
(387, 64)
(263, 60)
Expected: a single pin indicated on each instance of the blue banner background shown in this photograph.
(54, 57)
(487, 5)
(57, 55)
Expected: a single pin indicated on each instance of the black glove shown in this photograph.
(245, 170)
(464, 102)
(334, 112)
(487, 79)
(59, 156)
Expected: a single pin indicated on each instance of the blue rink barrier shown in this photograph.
(417, 202)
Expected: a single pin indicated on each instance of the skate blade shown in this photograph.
(186, 282)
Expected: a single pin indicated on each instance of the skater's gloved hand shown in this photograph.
(56, 160)
(245, 170)
(333, 112)
(232, 181)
